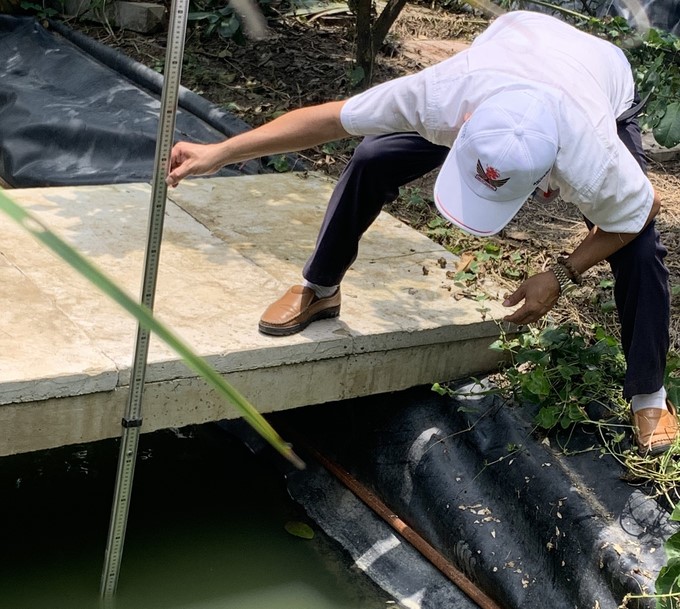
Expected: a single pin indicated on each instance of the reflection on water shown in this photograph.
(206, 531)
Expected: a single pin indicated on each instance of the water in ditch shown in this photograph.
(206, 531)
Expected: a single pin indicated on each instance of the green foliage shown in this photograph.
(668, 581)
(39, 10)
(356, 76)
(280, 163)
(438, 227)
(668, 128)
(655, 58)
(218, 18)
(672, 378)
(563, 372)
(413, 196)
(483, 256)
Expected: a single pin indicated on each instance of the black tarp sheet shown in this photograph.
(75, 112)
(532, 525)
(660, 14)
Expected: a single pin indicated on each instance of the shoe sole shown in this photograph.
(654, 452)
(294, 329)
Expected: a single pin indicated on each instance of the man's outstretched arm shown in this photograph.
(295, 130)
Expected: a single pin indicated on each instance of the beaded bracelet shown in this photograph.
(574, 275)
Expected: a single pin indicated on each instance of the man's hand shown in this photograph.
(540, 293)
(189, 159)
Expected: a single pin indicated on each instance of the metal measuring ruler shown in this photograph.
(133, 415)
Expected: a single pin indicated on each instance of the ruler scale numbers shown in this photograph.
(132, 421)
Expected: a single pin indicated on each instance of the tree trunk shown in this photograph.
(365, 53)
(370, 36)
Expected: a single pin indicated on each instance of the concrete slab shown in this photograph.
(231, 245)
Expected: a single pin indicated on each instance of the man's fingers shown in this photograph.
(527, 314)
(522, 316)
(512, 299)
(177, 175)
(518, 317)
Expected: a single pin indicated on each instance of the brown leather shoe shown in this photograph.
(655, 429)
(296, 309)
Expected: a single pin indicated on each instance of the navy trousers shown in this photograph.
(381, 164)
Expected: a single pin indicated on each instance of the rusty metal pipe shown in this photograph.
(435, 557)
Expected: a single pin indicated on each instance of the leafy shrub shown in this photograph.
(655, 57)
(217, 19)
(563, 372)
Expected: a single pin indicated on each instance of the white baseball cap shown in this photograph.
(503, 152)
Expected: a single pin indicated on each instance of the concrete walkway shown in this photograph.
(231, 245)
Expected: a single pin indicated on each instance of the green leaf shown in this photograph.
(512, 273)
(671, 380)
(299, 529)
(356, 76)
(592, 377)
(667, 132)
(608, 306)
(567, 372)
(668, 579)
(437, 388)
(228, 27)
(198, 15)
(538, 384)
(280, 163)
(575, 414)
(547, 417)
(146, 319)
(535, 356)
(498, 345)
(554, 336)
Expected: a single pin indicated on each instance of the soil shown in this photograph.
(308, 60)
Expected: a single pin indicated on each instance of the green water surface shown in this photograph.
(206, 531)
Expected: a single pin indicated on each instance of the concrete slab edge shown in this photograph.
(179, 402)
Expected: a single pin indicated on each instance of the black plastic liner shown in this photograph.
(531, 526)
(661, 14)
(73, 111)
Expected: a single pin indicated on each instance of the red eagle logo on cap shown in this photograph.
(490, 176)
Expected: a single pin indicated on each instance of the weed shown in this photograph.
(281, 163)
(413, 196)
(564, 373)
(39, 10)
(217, 19)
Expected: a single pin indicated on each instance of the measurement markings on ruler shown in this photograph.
(132, 421)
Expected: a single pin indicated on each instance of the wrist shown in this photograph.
(570, 269)
(565, 282)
